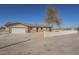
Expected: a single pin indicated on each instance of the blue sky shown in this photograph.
(35, 13)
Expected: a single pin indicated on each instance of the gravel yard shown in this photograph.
(64, 45)
(35, 44)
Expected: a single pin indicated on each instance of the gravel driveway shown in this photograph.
(58, 45)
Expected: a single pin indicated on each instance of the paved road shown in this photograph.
(58, 45)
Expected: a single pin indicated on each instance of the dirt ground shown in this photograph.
(35, 44)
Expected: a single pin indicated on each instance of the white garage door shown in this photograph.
(18, 30)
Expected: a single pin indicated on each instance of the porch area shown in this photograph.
(39, 29)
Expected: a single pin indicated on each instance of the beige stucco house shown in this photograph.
(24, 28)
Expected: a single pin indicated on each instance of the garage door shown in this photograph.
(18, 30)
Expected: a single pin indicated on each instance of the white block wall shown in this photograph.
(53, 33)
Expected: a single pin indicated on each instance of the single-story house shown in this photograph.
(24, 28)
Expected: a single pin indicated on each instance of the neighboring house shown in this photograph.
(24, 28)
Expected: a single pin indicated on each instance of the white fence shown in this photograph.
(59, 33)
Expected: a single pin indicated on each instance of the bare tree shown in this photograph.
(52, 16)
